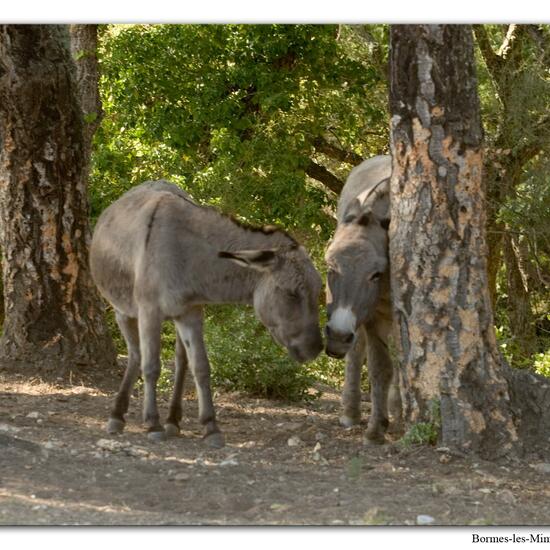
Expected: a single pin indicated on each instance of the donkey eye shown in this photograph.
(375, 276)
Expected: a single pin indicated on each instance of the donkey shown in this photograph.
(358, 292)
(157, 255)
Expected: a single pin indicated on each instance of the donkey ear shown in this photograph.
(261, 260)
(353, 211)
(358, 213)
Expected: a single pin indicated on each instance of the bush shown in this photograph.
(425, 433)
(542, 363)
(244, 357)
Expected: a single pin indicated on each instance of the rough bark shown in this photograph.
(84, 54)
(438, 252)
(53, 315)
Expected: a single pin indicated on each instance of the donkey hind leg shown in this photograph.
(174, 413)
(190, 329)
(351, 394)
(395, 405)
(380, 375)
(129, 328)
(149, 322)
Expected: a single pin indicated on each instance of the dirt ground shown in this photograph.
(283, 464)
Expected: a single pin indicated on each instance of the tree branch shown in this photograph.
(493, 61)
(538, 141)
(502, 65)
(320, 173)
(323, 146)
(537, 36)
(508, 42)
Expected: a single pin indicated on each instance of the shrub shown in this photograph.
(244, 357)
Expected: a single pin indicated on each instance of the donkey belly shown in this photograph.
(115, 283)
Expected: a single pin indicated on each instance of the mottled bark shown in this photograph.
(438, 251)
(84, 54)
(54, 317)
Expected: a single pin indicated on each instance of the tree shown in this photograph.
(53, 316)
(516, 60)
(450, 362)
(239, 115)
(84, 53)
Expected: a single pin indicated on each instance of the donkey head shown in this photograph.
(357, 260)
(286, 297)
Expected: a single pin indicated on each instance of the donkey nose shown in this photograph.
(337, 354)
(344, 337)
(347, 339)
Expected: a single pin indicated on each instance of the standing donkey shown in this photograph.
(157, 255)
(358, 292)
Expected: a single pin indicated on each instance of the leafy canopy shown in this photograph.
(231, 112)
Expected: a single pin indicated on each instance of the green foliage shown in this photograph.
(511, 349)
(542, 363)
(515, 118)
(422, 433)
(526, 214)
(231, 113)
(90, 117)
(244, 358)
(425, 433)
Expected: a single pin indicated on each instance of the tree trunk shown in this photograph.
(438, 253)
(84, 54)
(520, 314)
(492, 182)
(54, 317)
(505, 161)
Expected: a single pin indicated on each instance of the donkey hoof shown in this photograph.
(156, 437)
(171, 430)
(374, 439)
(348, 421)
(115, 426)
(215, 440)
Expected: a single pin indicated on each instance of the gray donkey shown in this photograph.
(358, 292)
(157, 255)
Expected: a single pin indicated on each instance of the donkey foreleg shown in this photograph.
(175, 411)
(351, 394)
(129, 329)
(190, 330)
(380, 375)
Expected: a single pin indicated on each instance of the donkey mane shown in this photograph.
(265, 229)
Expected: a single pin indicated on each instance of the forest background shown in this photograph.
(265, 122)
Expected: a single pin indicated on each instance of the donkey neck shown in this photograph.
(225, 280)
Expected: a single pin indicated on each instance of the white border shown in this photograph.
(280, 11)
